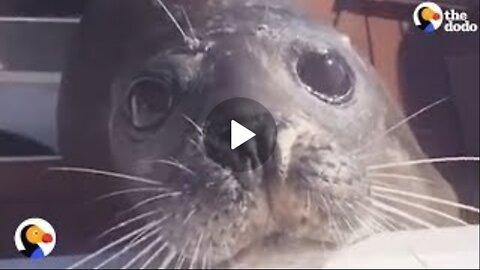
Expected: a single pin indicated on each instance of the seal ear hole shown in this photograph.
(150, 102)
(327, 75)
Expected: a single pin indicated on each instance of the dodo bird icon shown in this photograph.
(35, 238)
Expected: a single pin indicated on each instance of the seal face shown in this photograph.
(149, 89)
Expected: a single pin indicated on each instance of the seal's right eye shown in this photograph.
(150, 102)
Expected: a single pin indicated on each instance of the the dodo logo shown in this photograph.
(35, 238)
(428, 17)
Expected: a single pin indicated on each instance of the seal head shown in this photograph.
(149, 87)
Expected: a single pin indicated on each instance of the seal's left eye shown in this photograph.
(327, 75)
(150, 101)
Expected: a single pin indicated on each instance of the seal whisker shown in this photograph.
(127, 222)
(128, 191)
(197, 127)
(128, 247)
(106, 173)
(154, 255)
(173, 162)
(197, 250)
(368, 226)
(151, 199)
(139, 236)
(399, 124)
(143, 252)
(168, 259)
(376, 225)
(111, 245)
(181, 257)
(331, 221)
(191, 41)
(393, 210)
(422, 161)
(387, 220)
(382, 184)
(419, 206)
(189, 23)
(425, 198)
(401, 177)
(205, 261)
(189, 216)
(346, 219)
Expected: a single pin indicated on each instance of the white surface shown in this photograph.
(239, 134)
(453, 248)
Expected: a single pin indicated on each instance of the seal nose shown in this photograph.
(219, 133)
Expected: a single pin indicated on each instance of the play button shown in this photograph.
(240, 134)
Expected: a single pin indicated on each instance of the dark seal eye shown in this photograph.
(327, 75)
(150, 102)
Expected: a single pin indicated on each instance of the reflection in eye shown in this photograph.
(327, 75)
(150, 101)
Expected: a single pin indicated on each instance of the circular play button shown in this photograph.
(240, 134)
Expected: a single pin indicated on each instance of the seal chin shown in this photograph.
(279, 251)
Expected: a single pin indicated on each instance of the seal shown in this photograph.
(134, 99)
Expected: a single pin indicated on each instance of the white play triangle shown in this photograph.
(239, 134)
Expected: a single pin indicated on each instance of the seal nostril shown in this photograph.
(219, 133)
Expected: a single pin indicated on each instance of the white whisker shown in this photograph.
(400, 123)
(154, 255)
(127, 222)
(398, 212)
(205, 260)
(197, 127)
(173, 162)
(152, 199)
(127, 248)
(426, 198)
(364, 225)
(128, 191)
(382, 218)
(195, 253)
(331, 222)
(106, 173)
(167, 260)
(421, 207)
(422, 161)
(111, 245)
(181, 257)
(191, 42)
(347, 219)
(401, 177)
(139, 236)
(190, 214)
(382, 184)
(189, 23)
(143, 252)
